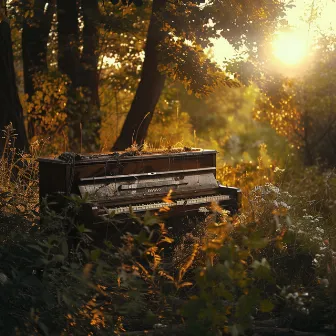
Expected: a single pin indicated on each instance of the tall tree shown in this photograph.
(69, 61)
(150, 87)
(89, 77)
(89, 59)
(81, 68)
(35, 34)
(68, 40)
(10, 106)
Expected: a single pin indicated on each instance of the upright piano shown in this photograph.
(182, 181)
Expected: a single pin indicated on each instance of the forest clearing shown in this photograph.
(167, 167)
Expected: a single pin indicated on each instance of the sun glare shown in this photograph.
(290, 48)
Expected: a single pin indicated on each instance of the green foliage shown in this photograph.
(46, 110)
(228, 295)
(225, 121)
(172, 130)
(294, 208)
(128, 2)
(190, 27)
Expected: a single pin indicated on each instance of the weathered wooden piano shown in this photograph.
(118, 182)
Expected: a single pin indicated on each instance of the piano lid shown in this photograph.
(85, 159)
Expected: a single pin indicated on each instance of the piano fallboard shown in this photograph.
(148, 185)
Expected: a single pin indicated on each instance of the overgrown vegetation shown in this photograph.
(274, 261)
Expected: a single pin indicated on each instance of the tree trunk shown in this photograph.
(83, 117)
(10, 106)
(35, 36)
(150, 87)
(90, 55)
(91, 120)
(69, 64)
(68, 40)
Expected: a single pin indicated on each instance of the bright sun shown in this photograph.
(290, 48)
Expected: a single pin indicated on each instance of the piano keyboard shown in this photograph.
(160, 205)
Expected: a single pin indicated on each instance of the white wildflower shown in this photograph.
(159, 326)
(285, 205)
(305, 310)
(278, 170)
(3, 278)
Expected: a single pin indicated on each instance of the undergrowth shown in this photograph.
(273, 261)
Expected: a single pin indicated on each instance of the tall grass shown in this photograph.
(19, 200)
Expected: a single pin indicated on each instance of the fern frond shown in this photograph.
(188, 263)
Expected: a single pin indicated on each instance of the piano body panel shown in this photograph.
(53, 178)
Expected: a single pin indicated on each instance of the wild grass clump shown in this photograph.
(19, 201)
